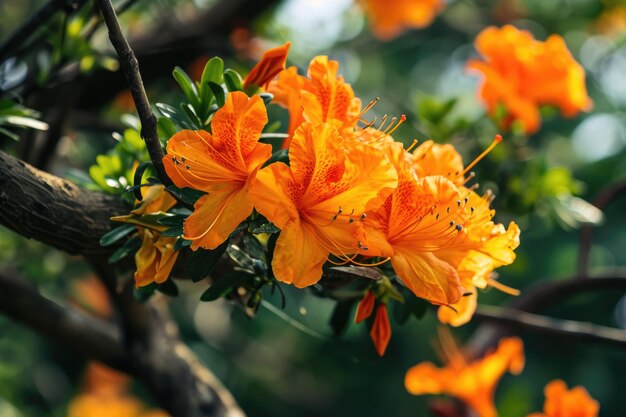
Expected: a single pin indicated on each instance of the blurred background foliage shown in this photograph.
(273, 366)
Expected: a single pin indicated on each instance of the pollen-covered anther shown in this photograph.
(459, 227)
(361, 246)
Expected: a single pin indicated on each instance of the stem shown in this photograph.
(130, 67)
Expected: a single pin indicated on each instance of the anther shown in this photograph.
(187, 166)
(363, 216)
(451, 223)
(361, 246)
(459, 227)
(458, 203)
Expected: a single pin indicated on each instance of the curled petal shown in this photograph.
(365, 307)
(381, 329)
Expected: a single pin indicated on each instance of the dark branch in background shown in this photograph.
(130, 67)
(541, 297)
(33, 24)
(603, 199)
(52, 210)
(556, 327)
(92, 338)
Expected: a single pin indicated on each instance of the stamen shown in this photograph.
(400, 121)
(504, 288)
(372, 265)
(496, 140)
(412, 146)
(369, 106)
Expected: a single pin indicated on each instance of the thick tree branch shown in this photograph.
(546, 325)
(88, 336)
(130, 67)
(54, 211)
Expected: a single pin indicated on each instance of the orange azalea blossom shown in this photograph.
(221, 164)
(481, 246)
(365, 307)
(523, 74)
(156, 256)
(474, 382)
(381, 329)
(561, 402)
(319, 200)
(389, 19)
(322, 97)
(272, 62)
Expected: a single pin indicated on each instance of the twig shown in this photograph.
(130, 67)
(545, 295)
(564, 328)
(27, 29)
(605, 197)
(86, 335)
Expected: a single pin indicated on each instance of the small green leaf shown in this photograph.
(340, 318)
(233, 80)
(143, 294)
(172, 232)
(166, 128)
(278, 156)
(191, 114)
(264, 227)
(224, 285)
(21, 121)
(130, 246)
(218, 92)
(213, 71)
(114, 235)
(201, 262)
(188, 87)
(241, 258)
(267, 97)
(253, 246)
(176, 220)
(187, 195)
(168, 287)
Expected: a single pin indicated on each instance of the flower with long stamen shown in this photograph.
(561, 402)
(472, 382)
(222, 164)
(318, 200)
(323, 96)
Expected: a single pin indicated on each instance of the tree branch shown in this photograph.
(130, 67)
(544, 295)
(54, 211)
(563, 328)
(86, 335)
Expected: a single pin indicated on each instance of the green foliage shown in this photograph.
(14, 115)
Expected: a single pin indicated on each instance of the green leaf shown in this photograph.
(21, 121)
(114, 235)
(278, 156)
(191, 114)
(181, 243)
(213, 71)
(9, 134)
(176, 220)
(267, 97)
(218, 92)
(187, 195)
(172, 232)
(201, 262)
(241, 258)
(224, 285)
(143, 294)
(342, 313)
(130, 246)
(188, 87)
(253, 246)
(168, 287)
(262, 227)
(233, 80)
(166, 128)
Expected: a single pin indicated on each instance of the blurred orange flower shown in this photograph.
(322, 97)
(563, 403)
(319, 199)
(272, 62)
(106, 393)
(612, 22)
(389, 19)
(221, 164)
(475, 382)
(521, 74)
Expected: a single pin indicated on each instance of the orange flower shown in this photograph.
(318, 201)
(381, 329)
(365, 307)
(322, 97)
(106, 394)
(481, 246)
(523, 74)
(417, 220)
(475, 382)
(563, 403)
(612, 22)
(389, 19)
(156, 256)
(272, 62)
(221, 164)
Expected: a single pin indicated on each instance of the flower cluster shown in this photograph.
(390, 19)
(348, 194)
(521, 74)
